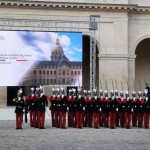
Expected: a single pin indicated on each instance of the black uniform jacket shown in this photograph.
(41, 103)
(63, 104)
(19, 106)
(79, 104)
(96, 105)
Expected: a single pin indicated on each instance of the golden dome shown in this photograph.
(57, 48)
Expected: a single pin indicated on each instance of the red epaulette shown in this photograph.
(58, 98)
(36, 97)
(85, 99)
(53, 98)
(69, 98)
(90, 99)
(49, 98)
(142, 101)
(28, 98)
(118, 100)
(107, 100)
(124, 101)
(134, 100)
(101, 100)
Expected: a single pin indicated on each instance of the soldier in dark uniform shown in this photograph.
(88, 100)
(19, 108)
(127, 110)
(72, 108)
(112, 113)
(116, 95)
(52, 107)
(146, 106)
(134, 109)
(120, 106)
(35, 111)
(101, 103)
(63, 109)
(41, 104)
(105, 111)
(79, 110)
(140, 107)
(57, 110)
(26, 109)
(30, 100)
(96, 107)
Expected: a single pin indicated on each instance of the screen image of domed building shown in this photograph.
(58, 71)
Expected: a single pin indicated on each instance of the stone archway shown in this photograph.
(142, 64)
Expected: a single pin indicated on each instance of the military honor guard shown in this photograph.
(96, 107)
(63, 109)
(79, 110)
(105, 111)
(134, 109)
(19, 108)
(57, 108)
(88, 101)
(146, 112)
(140, 107)
(52, 108)
(35, 111)
(30, 100)
(117, 99)
(112, 112)
(101, 105)
(72, 108)
(41, 108)
(127, 110)
(121, 107)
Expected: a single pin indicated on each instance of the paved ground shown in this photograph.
(71, 138)
(68, 139)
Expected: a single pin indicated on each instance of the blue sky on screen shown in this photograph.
(42, 43)
(33, 46)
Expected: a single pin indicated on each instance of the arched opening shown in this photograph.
(142, 64)
(86, 63)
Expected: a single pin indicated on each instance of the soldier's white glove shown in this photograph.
(19, 98)
(68, 108)
(132, 110)
(116, 109)
(146, 98)
(83, 108)
(100, 109)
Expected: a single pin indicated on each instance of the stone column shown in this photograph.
(3, 96)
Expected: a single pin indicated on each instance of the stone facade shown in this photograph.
(122, 25)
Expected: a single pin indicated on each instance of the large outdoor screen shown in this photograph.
(33, 58)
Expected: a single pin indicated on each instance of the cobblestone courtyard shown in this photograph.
(71, 138)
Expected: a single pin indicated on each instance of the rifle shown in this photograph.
(100, 84)
(116, 85)
(106, 85)
(121, 86)
(140, 85)
(112, 84)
